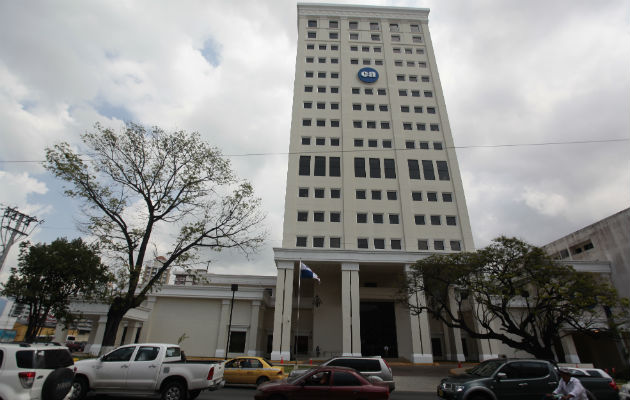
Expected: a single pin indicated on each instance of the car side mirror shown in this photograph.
(501, 375)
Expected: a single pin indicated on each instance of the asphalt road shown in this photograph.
(247, 393)
(243, 393)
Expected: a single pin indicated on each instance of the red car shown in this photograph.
(330, 383)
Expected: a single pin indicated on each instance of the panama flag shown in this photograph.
(307, 273)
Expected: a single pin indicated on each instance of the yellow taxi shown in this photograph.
(254, 370)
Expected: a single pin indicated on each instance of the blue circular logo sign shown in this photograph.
(368, 75)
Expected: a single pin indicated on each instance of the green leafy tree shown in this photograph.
(137, 184)
(513, 292)
(49, 275)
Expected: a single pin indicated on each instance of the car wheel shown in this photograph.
(79, 389)
(193, 394)
(174, 390)
(57, 384)
(261, 380)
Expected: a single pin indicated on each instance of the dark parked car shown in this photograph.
(330, 383)
(516, 379)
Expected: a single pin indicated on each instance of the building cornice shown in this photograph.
(348, 256)
(325, 10)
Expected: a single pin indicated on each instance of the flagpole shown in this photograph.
(297, 323)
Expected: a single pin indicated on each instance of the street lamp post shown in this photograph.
(227, 346)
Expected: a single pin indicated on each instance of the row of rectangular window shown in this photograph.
(389, 168)
(322, 46)
(361, 194)
(365, 49)
(335, 123)
(322, 60)
(373, 26)
(427, 170)
(366, 61)
(378, 243)
(322, 74)
(407, 50)
(414, 38)
(407, 126)
(419, 219)
(319, 193)
(414, 93)
(318, 216)
(411, 78)
(447, 197)
(386, 143)
(319, 167)
(420, 126)
(321, 89)
(410, 63)
(410, 144)
(417, 109)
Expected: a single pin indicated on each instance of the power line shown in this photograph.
(358, 150)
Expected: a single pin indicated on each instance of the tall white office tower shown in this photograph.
(373, 185)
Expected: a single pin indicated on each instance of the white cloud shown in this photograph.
(512, 72)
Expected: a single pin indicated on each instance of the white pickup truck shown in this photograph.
(146, 368)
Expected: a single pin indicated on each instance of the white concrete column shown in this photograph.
(132, 330)
(355, 302)
(349, 307)
(457, 334)
(252, 336)
(282, 318)
(121, 328)
(420, 333)
(223, 327)
(99, 331)
(61, 333)
(570, 352)
(447, 342)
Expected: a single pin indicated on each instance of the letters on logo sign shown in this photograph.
(368, 75)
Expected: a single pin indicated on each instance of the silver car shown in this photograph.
(369, 367)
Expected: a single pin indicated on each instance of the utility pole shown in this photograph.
(14, 226)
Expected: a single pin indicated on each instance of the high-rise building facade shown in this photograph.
(373, 185)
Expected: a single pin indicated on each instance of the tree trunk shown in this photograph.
(117, 310)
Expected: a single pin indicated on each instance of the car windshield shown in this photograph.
(293, 379)
(486, 368)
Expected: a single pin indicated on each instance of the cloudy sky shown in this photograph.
(515, 72)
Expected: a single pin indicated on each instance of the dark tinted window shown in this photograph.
(123, 354)
(442, 168)
(53, 359)
(320, 166)
(427, 169)
(414, 169)
(358, 364)
(390, 168)
(359, 167)
(334, 166)
(1, 357)
(342, 378)
(535, 369)
(305, 165)
(24, 358)
(375, 168)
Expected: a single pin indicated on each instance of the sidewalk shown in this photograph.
(420, 378)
